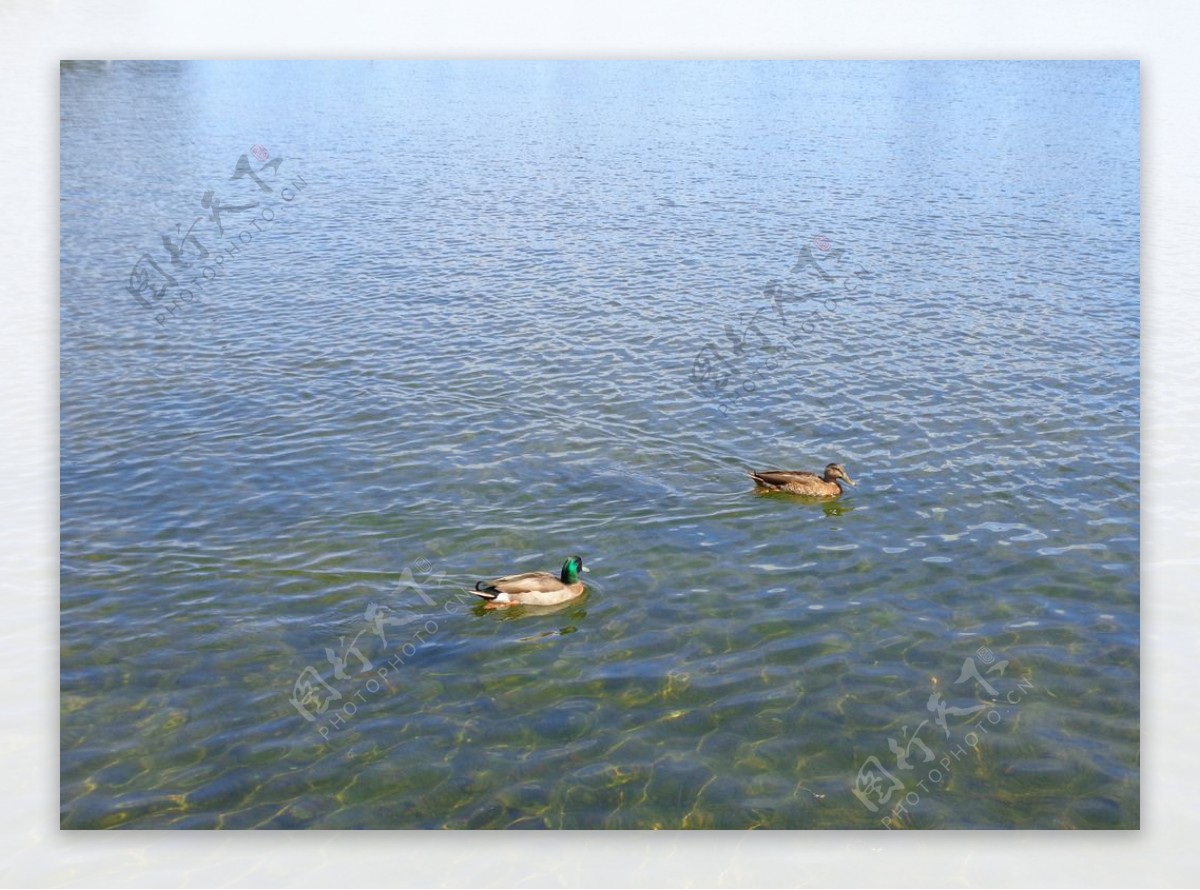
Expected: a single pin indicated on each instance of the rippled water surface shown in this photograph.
(452, 320)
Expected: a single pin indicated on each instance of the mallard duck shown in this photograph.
(794, 482)
(533, 588)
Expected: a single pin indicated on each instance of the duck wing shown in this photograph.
(783, 477)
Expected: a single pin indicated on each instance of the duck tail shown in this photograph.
(483, 592)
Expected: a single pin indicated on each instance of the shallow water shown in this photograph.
(501, 319)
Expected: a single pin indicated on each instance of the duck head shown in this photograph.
(571, 569)
(836, 472)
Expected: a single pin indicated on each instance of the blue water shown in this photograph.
(450, 320)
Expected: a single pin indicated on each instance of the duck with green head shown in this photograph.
(796, 482)
(533, 588)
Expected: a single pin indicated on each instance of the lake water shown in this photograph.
(338, 339)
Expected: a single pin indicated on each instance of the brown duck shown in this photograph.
(794, 482)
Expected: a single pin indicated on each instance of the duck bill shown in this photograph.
(848, 480)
